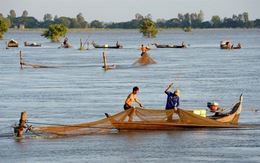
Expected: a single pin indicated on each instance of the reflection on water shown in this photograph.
(81, 91)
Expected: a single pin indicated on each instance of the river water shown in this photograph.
(81, 91)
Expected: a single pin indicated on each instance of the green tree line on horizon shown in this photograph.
(188, 20)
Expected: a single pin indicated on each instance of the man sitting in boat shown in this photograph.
(183, 44)
(118, 44)
(129, 102)
(239, 46)
(65, 42)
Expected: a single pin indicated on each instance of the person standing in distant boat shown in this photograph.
(129, 102)
(173, 100)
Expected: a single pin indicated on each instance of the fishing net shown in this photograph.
(143, 119)
(22, 63)
(145, 60)
(37, 66)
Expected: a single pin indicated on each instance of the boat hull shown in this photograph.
(106, 46)
(165, 126)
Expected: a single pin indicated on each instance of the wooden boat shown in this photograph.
(225, 44)
(118, 46)
(149, 119)
(170, 46)
(12, 43)
(32, 44)
(183, 119)
(65, 46)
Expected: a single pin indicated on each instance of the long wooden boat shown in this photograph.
(12, 43)
(170, 46)
(117, 46)
(225, 44)
(183, 119)
(149, 119)
(32, 44)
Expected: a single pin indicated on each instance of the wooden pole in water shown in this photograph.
(88, 46)
(80, 42)
(21, 60)
(81, 47)
(19, 129)
(105, 61)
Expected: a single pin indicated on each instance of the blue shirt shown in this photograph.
(172, 101)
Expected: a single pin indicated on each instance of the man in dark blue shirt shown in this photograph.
(173, 99)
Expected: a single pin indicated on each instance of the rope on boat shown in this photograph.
(177, 77)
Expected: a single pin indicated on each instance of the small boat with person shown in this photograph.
(117, 46)
(34, 44)
(225, 44)
(66, 44)
(183, 45)
(12, 43)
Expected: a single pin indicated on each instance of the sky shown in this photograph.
(125, 10)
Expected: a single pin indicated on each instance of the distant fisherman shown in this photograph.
(144, 49)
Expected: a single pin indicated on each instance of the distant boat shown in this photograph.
(12, 43)
(32, 44)
(170, 46)
(117, 46)
(225, 44)
(65, 46)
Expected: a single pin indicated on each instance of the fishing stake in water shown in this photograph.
(18, 130)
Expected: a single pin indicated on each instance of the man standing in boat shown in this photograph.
(144, 49)
(173, 99)
(129, 102)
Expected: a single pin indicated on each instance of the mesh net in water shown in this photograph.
(145, 60)
(143, 119)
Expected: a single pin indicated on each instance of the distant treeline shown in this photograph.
(193, 20)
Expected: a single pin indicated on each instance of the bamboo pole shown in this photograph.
(19, 129)
(88, 46)
(80, 42)
(105, 61)
(81, 47)
(21, 60)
